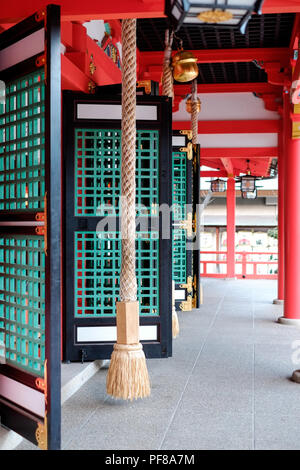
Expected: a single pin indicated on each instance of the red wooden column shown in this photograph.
(230, 228)
(281, 166)
(291, 224)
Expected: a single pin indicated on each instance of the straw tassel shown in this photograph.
(127, 376)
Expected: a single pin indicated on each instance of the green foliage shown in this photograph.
(273, 232)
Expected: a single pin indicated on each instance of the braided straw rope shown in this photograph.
(128, 284)
(167, 77)
(194, 112)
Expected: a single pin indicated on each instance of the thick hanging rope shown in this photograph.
(127, 376)
(194, 112)
(128, 286)
(167, 76)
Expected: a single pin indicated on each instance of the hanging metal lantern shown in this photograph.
(222, 13)
(249, 194)
(185, 66)
(248, 183)
(188, 105)
(218, 186)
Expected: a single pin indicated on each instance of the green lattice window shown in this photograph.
(179, 181)
(97, 271)
(22, 301)
(22, 144)
(98, 172)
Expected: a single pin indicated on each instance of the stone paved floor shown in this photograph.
(226, 387)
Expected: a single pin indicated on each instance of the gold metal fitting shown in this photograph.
(187, 304)
(188, 149)
(188, 105)
(189, 285)
(188, 225)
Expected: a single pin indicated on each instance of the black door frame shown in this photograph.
(43, 431)
(74, 351)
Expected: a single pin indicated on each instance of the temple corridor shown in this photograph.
(226, 387)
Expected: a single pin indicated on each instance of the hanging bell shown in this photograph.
(188, 105)
(185, 66)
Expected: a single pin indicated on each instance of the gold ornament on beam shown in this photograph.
(185, 66)
(215, 16)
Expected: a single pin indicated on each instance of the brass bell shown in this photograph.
(185, 66)
(188, 105)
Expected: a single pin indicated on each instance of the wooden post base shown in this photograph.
(128, 322)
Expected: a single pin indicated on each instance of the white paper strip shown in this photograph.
(22, 50)
(22, 395)
(113, 111)
(178, 141)
(179, 294)
(94, 334)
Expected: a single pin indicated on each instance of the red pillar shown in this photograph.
(291, 224)
(230, 227)
(281, 166)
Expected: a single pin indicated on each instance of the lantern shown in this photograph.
(185, 66)
(249, 194)
(188, 105)
(248, 183)
(223, 13)
(217, 186)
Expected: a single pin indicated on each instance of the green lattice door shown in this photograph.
(29, 244)
(92, 156)
(182, 173)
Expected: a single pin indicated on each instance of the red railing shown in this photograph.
(248, 264)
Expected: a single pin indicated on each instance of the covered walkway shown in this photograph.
(226, 387)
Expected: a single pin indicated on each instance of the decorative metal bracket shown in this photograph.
(188, 133)
(189, 150)
(188, 225)
(42, 230)
(187, 304)
(42, 384)
(92, 65)
(91, 87)
(41, 434)
(146, 84)
(189, 285)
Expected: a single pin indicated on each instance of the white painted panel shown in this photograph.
(237, 140)
(22, 50)
(179, 294)
(113, 111)
(22, 395)
(178, 141)
(93, 334)
(227, 106)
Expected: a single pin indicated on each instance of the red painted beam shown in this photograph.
(183, 90)
(207, 56)
(71, 10)
(72, 78)
(259, 126)
(81, 50)
(227, 164)
(280, 6)
(241, 152)
(212, 174)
